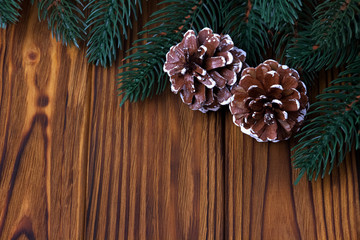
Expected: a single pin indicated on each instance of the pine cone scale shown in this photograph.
(208, 81)
(186, 96)
(211, 44)
(227, 55)
(289, 82)
(229, 75)
(270, 133)
(294, 95)
(259, 125)
(286, 126)
(190, 43)
(271, 78)
(226, 43)
(256, 91)
(281, 115)
(215, 62)
(199, 70)
(303, 100)
(256, 105)
(220, 80)
(224, 96)
(204, 34)
(275, 92)
(247, 81)
(200, 96)
(291, 105)
(189, 83)
(177, 85)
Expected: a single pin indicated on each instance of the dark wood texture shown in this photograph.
(73, 165)
(263, 203)
(44, 109)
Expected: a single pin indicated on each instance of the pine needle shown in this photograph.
(9, 12)
(108, 23)
(330, 135)
(277, 12)
(65, 19)
(332, 39)
(248, 30)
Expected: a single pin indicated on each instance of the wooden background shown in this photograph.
(73, 165)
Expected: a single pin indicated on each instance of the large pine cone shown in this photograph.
(203, 69)
(270, 102)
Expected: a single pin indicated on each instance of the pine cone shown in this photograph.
(203, 69)
(270, 102)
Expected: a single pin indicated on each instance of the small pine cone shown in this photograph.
(270, 102)
(203, 69)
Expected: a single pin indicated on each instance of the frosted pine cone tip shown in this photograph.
(270, 102)
(203, 69)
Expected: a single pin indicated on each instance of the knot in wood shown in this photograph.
(43, 101)
(32, 56)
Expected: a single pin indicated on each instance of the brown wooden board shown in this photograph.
(263, 203)
(74, 165)
(155, 167)
(44, 109)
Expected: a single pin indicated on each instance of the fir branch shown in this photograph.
(65, 19)
(286, 32)
(9, 12)
(277, 12)
(337, 23)
(282, 38)
(311, 57)
(248, 30)
(144, 70)
(108, 22)
(331, 40)
(331, 134)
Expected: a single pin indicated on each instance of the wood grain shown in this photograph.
(73, 165)
(168, 186)
(155, 168)
(263, 203)
(44, 131)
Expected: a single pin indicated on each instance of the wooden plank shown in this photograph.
(262, 202)
(44, 104)
(155, 171)
(156, 167)
(151, 170)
